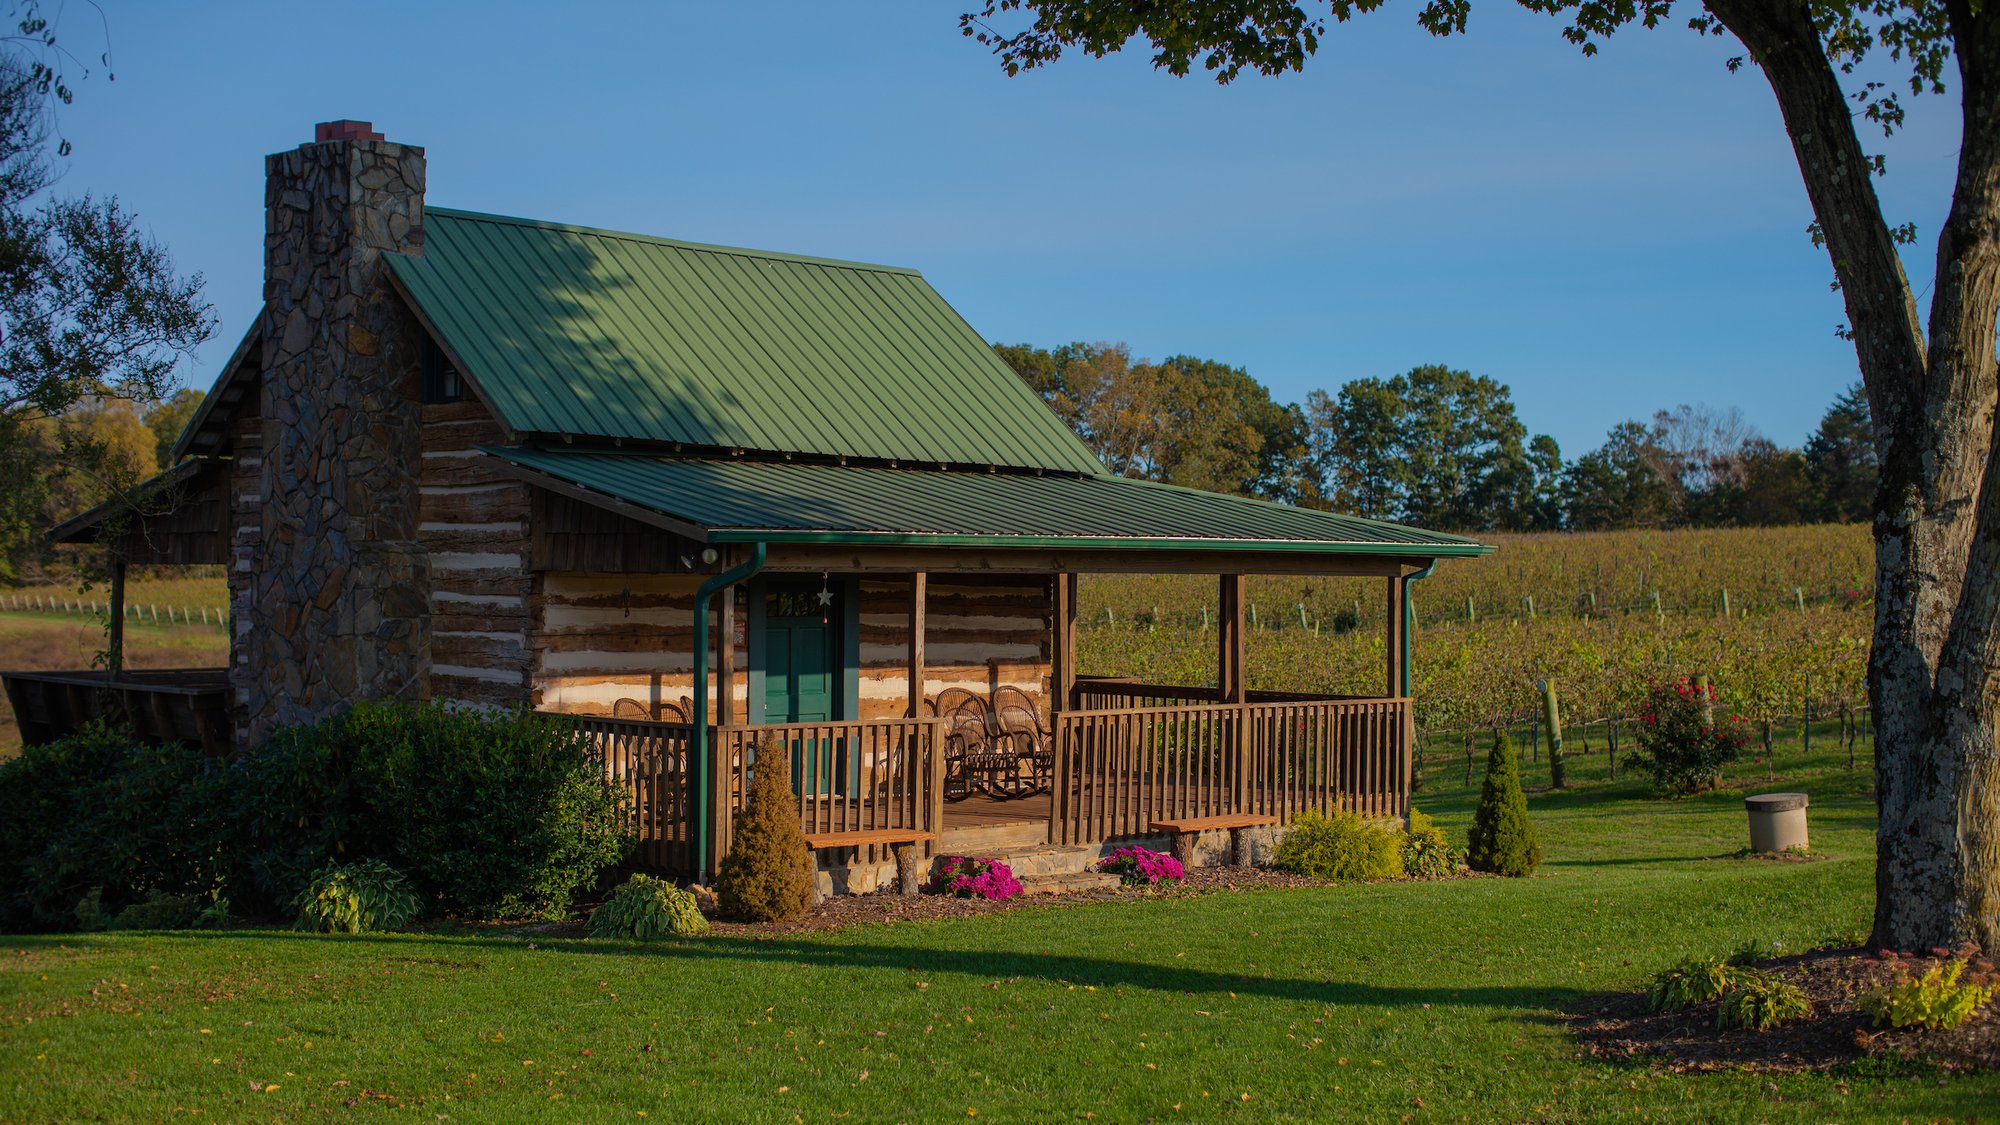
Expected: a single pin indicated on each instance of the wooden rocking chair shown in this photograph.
(1016, 714)
(978, 756)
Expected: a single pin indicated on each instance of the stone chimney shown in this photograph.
(338, 592)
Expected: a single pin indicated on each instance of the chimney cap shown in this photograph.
(344, 130)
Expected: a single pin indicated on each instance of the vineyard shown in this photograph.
(1779, 618)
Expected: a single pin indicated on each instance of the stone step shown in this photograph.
(989, 839)
(1067, 884)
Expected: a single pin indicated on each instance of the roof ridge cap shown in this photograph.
(676, 243)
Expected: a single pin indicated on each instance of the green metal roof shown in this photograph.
(575, 331)
(748, 501)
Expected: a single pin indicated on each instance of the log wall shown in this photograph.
(474, 521)
(601, 638)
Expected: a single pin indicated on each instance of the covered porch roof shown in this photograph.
(739, 501)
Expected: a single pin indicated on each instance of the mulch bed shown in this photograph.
(844, 911)
(1837, 1034)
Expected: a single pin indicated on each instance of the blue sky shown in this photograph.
(1607, 236)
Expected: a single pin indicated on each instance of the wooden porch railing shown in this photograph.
(651, 760)
(1116, 694)
(849, 777)
(1118, 771)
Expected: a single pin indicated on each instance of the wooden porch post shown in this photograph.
(1233, 680)
(725, 660)
(115, 662)
(1393, 623)
(721, 775)
(1233, 648)
(1062, 662)
(919, 586)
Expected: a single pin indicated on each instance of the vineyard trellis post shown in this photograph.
(1552, 715)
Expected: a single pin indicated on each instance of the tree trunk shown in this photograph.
(1932, 671)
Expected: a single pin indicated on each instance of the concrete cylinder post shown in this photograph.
(1777, 821)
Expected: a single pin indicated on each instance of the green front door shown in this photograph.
(801, 677)
(800, 663)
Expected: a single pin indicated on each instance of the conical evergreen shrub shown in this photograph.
(1502, 840)
(768, 874)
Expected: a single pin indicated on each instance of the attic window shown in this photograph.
(442, 382)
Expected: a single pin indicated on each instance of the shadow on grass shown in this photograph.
(926, 962)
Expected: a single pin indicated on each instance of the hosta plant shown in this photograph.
(1142, 867)
(356, 898)
(644, 908)
(1696, 980)
(1759, 1001)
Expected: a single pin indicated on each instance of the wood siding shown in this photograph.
(246, 538)
(603, 637)
(980, 633)
(475, 523)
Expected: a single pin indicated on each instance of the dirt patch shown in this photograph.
(1836, 1034)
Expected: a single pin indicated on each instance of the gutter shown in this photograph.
(702, 788)
(1410, 620)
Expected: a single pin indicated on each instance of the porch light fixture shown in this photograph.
(708, 556)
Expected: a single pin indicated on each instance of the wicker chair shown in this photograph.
(979, 757)
(1015, 713)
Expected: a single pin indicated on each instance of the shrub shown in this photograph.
(93, 813)
(1682, 744)
(491, 815)
(1502, 840)
(357, 898)
(1142, 867)
(1937, 999)
(1339, 847)
(768, 874)
(1696, 980)
(1759, 1001)
(966, 877)
(160, 911)
(644, 908)
(1427, 854)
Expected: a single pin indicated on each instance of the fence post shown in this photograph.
(1725, 601)
(1552, 715)
(1471, 614)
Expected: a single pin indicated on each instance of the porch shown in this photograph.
(1116, 771)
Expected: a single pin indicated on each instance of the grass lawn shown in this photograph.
(1417, 1001)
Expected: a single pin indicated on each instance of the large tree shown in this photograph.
(91, 309)
(1932, 379)
(1432, 446)
(1840, 460)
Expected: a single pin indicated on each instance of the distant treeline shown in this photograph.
(1443, 448)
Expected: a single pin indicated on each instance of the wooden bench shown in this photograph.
(902, 841)
(1186, 828)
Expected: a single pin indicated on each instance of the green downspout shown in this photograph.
(698, 756)
(1410, 621)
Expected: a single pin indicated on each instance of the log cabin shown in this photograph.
(705, 502)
